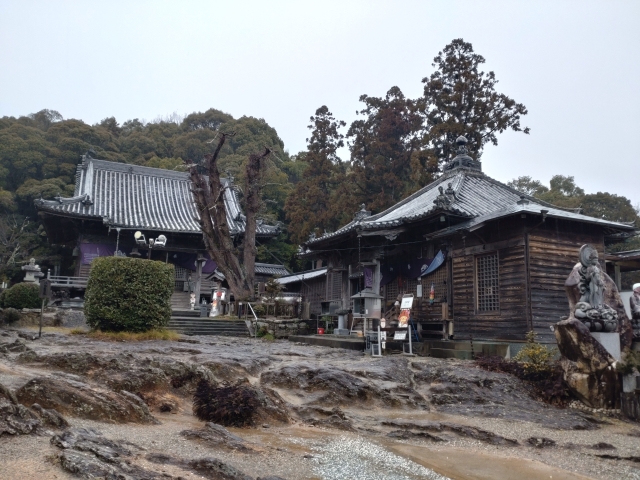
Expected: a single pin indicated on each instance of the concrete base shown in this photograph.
(462, 349)
(341, 331)
(350, 343)
(610, 341)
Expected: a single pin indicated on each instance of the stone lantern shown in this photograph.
(32, 272)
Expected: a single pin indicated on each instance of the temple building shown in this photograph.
(485, 258)
(112, 201)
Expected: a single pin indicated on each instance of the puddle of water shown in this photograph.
(467, 465)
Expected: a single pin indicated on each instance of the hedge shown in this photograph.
(128, 294)
(21, 295)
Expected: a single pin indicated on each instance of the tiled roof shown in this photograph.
(477, 197)
(298, 277)
(271, 269)
(144, 198)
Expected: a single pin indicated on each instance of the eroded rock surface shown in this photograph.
(81, 400)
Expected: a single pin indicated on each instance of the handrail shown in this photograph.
(255, 328)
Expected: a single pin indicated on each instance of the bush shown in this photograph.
(128, 294)
(21, 295)
(630, 363)
(535, 358)
(10, 315)
(235, 406)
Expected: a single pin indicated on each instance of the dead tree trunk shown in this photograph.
(209, 198)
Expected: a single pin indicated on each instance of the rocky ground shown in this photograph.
(75, 407)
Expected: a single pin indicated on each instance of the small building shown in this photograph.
(112, 201)
(311, 286)
(470, 249)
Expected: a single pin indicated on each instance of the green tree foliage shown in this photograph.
(39, 154)
(129, 294)
(21, 295)
(528, 186)
(563, 192)
(386, 159)
(313, 203)
(460, 99)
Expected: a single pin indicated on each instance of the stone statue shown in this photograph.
(591, 309)
(597, 315)
(442, 200)
(451, 193)
(634, 303)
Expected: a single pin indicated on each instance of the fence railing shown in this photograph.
(69, 282)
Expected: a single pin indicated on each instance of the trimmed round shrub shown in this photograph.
(22, 295)
(10, 315)
(128, 294)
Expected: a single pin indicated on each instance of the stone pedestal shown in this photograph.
(342, 324)
(610, 341)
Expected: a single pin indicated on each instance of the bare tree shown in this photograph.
(209, 198)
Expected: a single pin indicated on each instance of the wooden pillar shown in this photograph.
(618, 276)
(199, 263)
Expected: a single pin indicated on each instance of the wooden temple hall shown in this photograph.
(112, 201)
(482, 260)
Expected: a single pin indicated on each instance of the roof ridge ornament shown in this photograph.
(445, 198)
(462, 159)
(523, 200)
(362, 213)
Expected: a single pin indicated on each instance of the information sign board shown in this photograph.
(400, 335)
(407, 302)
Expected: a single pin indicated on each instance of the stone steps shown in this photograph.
(205, 326)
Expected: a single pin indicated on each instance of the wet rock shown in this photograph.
(541, 442)
(17, 346)
(88, 454)
(16, 419)
(81, 400)
(328, 385)
(9, 394)
(325, 417)
(587, 365)
(460, 430)
(209, 467)
(602, 446)
(409, 435)
(218, 436)
(50, 416)
(454, 387)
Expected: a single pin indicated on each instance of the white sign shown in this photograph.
(400, 335)
(407, 302)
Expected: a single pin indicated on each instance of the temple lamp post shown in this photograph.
(161, 241)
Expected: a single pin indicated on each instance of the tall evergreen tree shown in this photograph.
(460, 99)
(313, 203)
(386, 158)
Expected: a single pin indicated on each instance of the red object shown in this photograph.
(321, 331)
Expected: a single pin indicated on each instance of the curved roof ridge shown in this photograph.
(417, 193)
(534, 199)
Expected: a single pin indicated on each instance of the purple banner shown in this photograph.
(368, 277)
(188, 261)
(89, 251)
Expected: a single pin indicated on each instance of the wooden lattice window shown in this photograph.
(439, 281)
(335, 286)
(488, 299)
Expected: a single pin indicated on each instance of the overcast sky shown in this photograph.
(574, 64)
